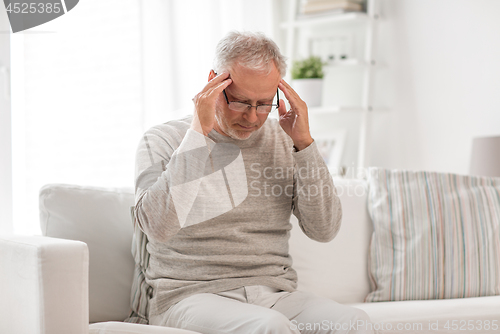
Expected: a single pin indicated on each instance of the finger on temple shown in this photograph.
(218, 78)
(221, 86)
(289, 92)
(285, 89)
(214, 84)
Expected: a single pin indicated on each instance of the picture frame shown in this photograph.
(331, 147)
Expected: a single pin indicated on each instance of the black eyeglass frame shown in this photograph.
(256, 107)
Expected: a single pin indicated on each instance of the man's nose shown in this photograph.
(251, 115)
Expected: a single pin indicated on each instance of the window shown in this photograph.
(77, 107)
(87, 85)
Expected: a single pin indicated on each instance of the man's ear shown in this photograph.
(211, 75)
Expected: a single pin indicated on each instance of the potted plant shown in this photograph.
(307, 75)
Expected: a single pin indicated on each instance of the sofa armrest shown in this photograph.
(44, 285)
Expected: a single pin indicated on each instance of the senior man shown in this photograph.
(214, 196)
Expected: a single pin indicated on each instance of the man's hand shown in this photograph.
(295, 122)
(204, 103)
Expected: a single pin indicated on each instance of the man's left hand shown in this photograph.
(295, 122)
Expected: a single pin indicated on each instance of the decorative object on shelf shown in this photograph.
(331, 6)
(331, 147)
(307, 78)
(485, 158)
(333, 49)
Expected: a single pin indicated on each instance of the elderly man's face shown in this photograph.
(250, 87)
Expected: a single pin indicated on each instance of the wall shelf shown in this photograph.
(341, 109)
(312, 20)
(297, 23)
(354, 62)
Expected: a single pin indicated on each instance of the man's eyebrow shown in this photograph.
(238, 97)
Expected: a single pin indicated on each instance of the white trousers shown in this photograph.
(263, 310)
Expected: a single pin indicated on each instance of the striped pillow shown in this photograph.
(435, 235)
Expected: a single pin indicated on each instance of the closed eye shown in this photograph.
(258, 104)
(247, 101)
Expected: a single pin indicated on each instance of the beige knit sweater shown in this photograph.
(216, 210)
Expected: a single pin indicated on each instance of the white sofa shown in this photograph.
(81, 270)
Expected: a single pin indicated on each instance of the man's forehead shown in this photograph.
(236, 93)
(269, 74)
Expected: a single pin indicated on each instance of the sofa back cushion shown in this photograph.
(337, 269)
(436, 236)
(100, 218)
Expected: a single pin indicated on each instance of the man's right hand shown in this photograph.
(204, 103)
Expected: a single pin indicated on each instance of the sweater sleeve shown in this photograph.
(315, 201)
(165, 162)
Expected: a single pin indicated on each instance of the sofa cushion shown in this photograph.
(436, 235)
(337, 269)
(478, 315)
(100, 218)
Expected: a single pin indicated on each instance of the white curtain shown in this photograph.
(88, 84)
(5, 128)
(179, 43)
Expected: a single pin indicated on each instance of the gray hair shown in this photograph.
(253, 50)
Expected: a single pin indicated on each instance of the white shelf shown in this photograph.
(354, 22)
(313, 20)
(347, 63)
(353, 63)
(339, 109)
(333, 109)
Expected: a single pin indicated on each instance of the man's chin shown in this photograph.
(238, 134)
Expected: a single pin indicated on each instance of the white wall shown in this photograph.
(444, 60)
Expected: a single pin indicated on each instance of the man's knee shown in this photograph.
(359, 321)
(359, 314)
(273, 323)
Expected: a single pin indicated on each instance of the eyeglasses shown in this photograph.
(243, 107)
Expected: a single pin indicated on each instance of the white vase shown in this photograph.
(309, 90)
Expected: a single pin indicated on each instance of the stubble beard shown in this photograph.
(224, 126)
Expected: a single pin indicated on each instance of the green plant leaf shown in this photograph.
(309, 68)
